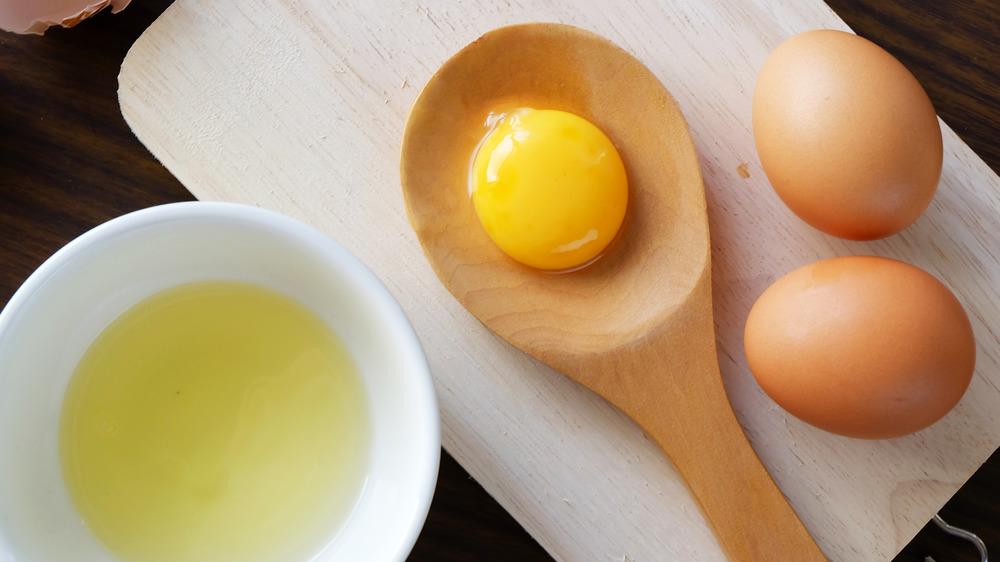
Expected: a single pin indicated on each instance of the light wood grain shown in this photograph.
(299, 106)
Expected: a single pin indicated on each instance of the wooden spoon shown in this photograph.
(636, 326)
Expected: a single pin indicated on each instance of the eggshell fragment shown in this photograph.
(861, 346)
(35, 16)
(846, 135)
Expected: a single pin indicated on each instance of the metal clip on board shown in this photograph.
(961, 533)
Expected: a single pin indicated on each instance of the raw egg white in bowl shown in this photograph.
(60, 309)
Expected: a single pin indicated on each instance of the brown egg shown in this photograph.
(846, 135)
(861, 346)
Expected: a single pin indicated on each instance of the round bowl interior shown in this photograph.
(52, 319)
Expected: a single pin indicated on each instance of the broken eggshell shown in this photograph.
(35, 16)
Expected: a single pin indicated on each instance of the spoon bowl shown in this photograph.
(635, 326)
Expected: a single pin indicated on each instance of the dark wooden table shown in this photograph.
(68, 162)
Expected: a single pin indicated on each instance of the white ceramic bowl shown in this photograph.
(52, 319)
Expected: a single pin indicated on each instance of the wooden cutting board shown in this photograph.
(299, 106)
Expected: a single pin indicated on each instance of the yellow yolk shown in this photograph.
(549, 188)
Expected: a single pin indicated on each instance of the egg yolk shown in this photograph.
(549, 188)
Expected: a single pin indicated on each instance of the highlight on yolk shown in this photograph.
(549, 188)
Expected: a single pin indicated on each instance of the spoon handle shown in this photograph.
(751, 518)
(671, 385)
